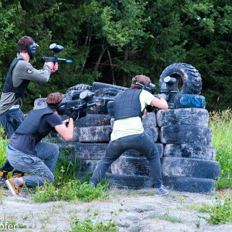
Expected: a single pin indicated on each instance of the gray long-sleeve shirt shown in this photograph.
(23, 70)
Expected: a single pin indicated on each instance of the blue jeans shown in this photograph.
(39, 168)
(10, 121)
(141, 143)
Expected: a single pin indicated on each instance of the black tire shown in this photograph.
(107, 93)
(73, 92)
(102, 97)
(196, 117)
(189, 101)
(178, 134)
(97, 109)
(80, 87)
(149, 120)
(87, 166)
(94, 134)
(190, 151)
(93, 120)
(152, 132)
(133, 163)
(131, 166)
(131, 182)
(100, 85)
(172, 166)
(188, 184)
(90, 151)
(189, 75)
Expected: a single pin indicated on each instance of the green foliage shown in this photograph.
(170, 218)
(221, 126)
(111, 41)
(124, 22)
(89, 226)
(3, 143)
(69, 191)
(221, 212)
(66, 167)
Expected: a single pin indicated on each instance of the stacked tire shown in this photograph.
(188, 162)
(92, 132)
(92, 136)
(181, 135)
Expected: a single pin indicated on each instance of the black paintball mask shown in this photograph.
(149, 86)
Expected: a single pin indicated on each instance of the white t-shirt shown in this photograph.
(133, 125)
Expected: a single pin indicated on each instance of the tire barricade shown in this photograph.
(181, 135)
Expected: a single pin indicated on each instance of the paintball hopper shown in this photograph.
(56, 48)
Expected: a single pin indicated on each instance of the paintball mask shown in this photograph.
(149, 87)
(32, 49)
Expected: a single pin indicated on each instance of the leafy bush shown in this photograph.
(89, 226)
(221, 212)
(221, 125)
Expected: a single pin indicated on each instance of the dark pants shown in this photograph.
(10, 121)
(141, 143)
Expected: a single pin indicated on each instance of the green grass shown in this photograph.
(66, 187)
(89, 226)
(170, 218)
(3, 143)
(69, 191)
(221, 125)
(221, 212)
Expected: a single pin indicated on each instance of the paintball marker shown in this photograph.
(77, 106)
(55, 48)
(169, 88)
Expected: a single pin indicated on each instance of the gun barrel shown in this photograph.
(55, 59)
(49, 58)
(67, 61)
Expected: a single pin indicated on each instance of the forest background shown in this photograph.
(113, 40)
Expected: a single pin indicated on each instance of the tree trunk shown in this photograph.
(100, 56)
(111, 65)
(126, 56)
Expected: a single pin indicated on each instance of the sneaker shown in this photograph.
(3, 177)
(161, 191)
(14, 188)
(3, 174)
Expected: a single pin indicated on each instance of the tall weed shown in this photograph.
(221, 125)
(69, 191)
(89, 226)
(3, 143)
(221, 212)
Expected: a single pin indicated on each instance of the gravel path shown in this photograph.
(132, 211)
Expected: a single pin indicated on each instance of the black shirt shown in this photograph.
(27, 143)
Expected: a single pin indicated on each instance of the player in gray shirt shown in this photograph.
(20, 73)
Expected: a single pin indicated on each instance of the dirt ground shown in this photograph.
(131, 210)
